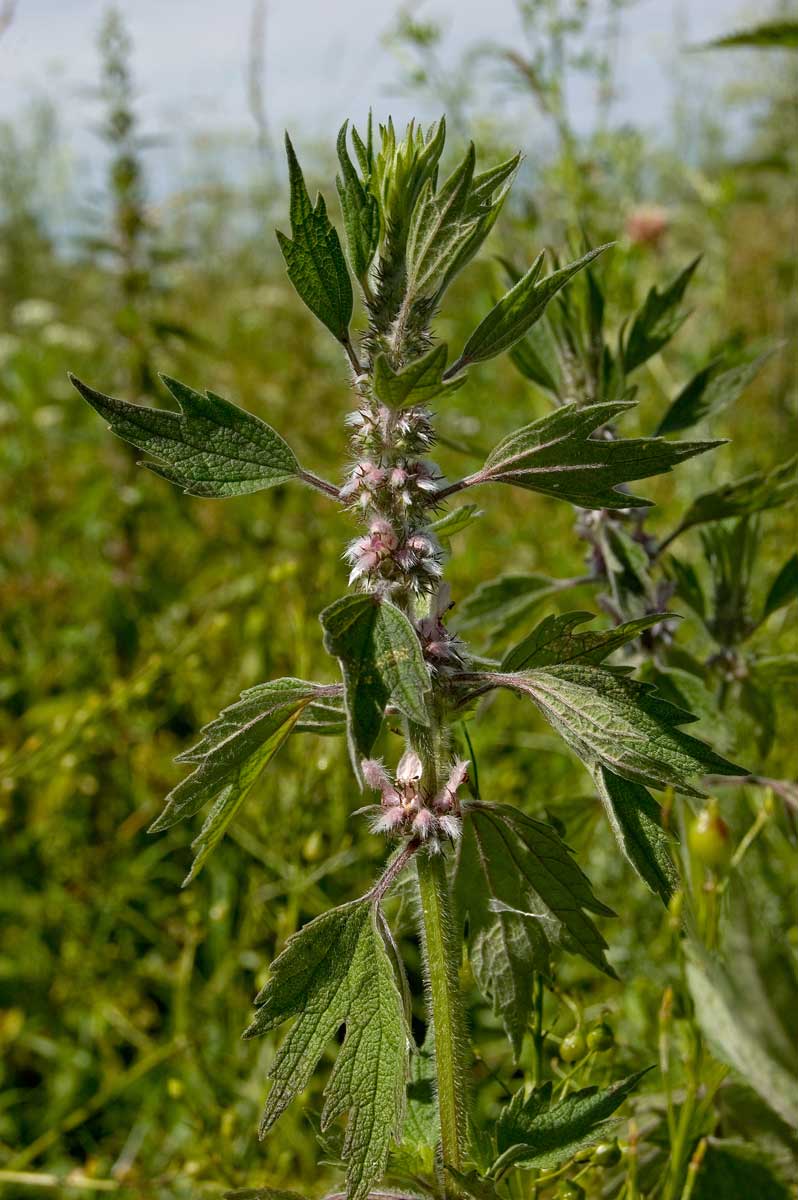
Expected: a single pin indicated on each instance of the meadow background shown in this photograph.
(141, 177)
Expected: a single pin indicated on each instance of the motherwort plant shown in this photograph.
(488, 877)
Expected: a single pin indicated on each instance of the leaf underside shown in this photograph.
(635, 820)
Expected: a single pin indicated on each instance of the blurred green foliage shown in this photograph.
(130, 614)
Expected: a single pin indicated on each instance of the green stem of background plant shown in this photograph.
(442, 970)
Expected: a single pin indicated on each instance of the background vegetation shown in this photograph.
(129, 614)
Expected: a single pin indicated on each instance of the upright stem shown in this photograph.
(442, 967)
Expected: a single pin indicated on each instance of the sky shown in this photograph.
(324, 59)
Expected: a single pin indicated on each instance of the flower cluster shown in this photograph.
(407, 809)
(377, 429)
(441, 648)
(389, 557)
(408, 484)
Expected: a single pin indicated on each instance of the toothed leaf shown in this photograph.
(545, 1139)
(417, 383)
(233, 752)
(336, 972)
(634, 818)
(556, 455)
(616, 722)
(521, 892)
(314, 259)
(211, 447)
(381, 662)
(555, 641)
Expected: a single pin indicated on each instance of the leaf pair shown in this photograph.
(335, 972)
(520, 892)
(382, 663)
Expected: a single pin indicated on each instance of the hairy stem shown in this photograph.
(442, 968)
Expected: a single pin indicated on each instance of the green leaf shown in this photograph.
(382, 663)
(736, 1014)
(439, 226)
(315, 261)
(536, 358)
(422, 1127)
(212, 447)
(530, 1137)
(784, 588)
(474, 1185)
(657, 321)
(233, 752)
(336, 971)
(708, 393)
(775, 669)
(360, 211)
(555, 642)
(417, 383)
(688, 584)
(557, 456)
(519, 309)
(755, 493)
(501, 603)
(612, 721)
(455, 521)
(734, 1170)
(769, 35)
(634, 818)
(520, 892)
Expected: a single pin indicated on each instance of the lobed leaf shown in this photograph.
(555, 642)
(233, 752)
(211, 447)
(533, 1136)
(634, 818)
(557, 456)
(520, 892)
(612, 721)
(336, 972)
(314, 259)
(381, 661)
(417, 383)
(519, 309)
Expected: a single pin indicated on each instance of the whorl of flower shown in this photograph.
(407, 809)
(386, 557)
(442, 649)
